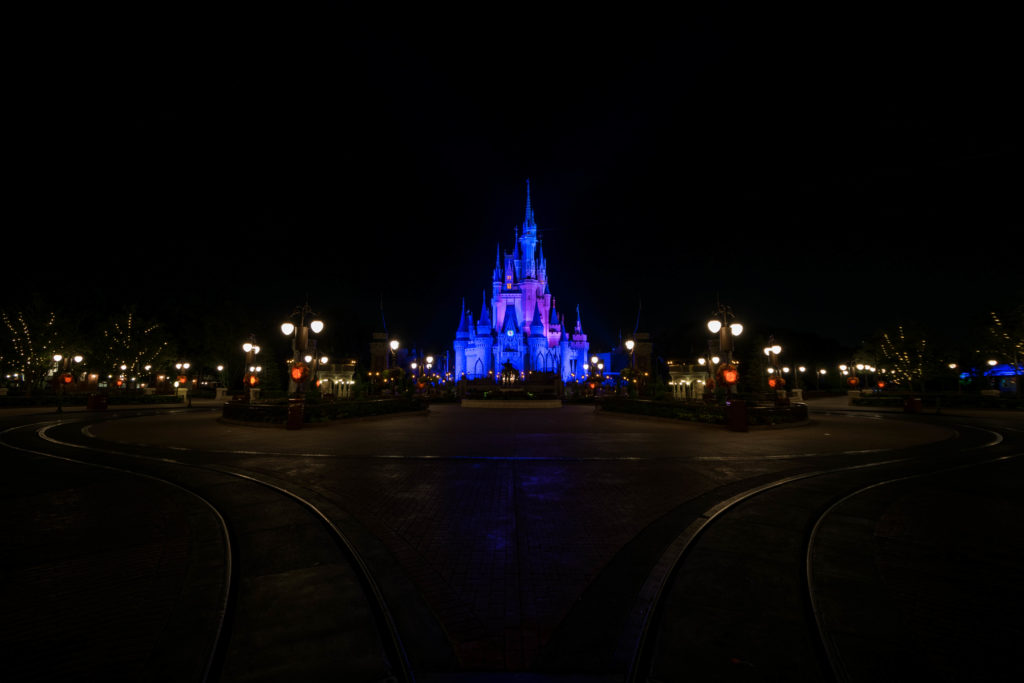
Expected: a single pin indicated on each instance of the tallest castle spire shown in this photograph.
(528, 222)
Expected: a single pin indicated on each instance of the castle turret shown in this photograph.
(483, 325)
(538, 341)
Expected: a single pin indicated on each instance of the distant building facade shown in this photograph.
(519, 327)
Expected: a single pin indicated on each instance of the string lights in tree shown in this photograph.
(905, 358)
(133, 347)
(32, 344)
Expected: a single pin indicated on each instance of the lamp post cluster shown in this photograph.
(64, 377)
(727, 332)
(251, 372)
(304, 359)
(775, 379)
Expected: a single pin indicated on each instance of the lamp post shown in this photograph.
(727, 331)
(299, 373)
(393, 344)
(772, 351)
(249, 377)
(181, 383)
(64, 365)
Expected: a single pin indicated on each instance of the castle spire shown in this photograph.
(528, 221)
(485, 318)
(463, 323)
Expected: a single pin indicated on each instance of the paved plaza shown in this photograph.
(502, 519)
(504, 540)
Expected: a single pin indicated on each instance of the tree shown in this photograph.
(905, 356)
(32, 340)
(1005, 341)
(132, 343)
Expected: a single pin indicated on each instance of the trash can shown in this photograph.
(736, 416)
(96, 402)
(911, 405)
(295, 410)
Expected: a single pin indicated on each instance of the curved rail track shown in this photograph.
(738, 593)
(296, 601)
(722, 605)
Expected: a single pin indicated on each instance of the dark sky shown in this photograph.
(832, 174)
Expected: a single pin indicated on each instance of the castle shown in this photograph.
(520, 326)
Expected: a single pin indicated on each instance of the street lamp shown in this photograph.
(772, 351)
(299, 372)
(249, 376)
(727, 331)
(65, 377)
(182, 382)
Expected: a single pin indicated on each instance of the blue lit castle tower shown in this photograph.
(521, 325)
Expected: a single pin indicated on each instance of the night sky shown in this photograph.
(834, 175)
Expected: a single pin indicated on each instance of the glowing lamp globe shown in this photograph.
(317, 326)
(299, 372)
(736, 329)
(714, 325)
(287, 328)
(630, 344)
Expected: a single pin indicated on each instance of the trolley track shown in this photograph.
(735, 598)
(297, 600)
(732, 596)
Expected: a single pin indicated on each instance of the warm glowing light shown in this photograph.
(714, 325)
(736, 329)
(593, 360)
(317, 326)
(630, 344)
(702, 361)
(308, 358)
(57, 357)
(715, 359)
(247, 347)
(394, 344)
(776, 349)
(993, 363)
(430, 360)
(287, 328)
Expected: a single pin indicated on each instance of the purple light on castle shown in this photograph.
(520, 325)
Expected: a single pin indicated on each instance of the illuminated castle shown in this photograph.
(520, 326)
